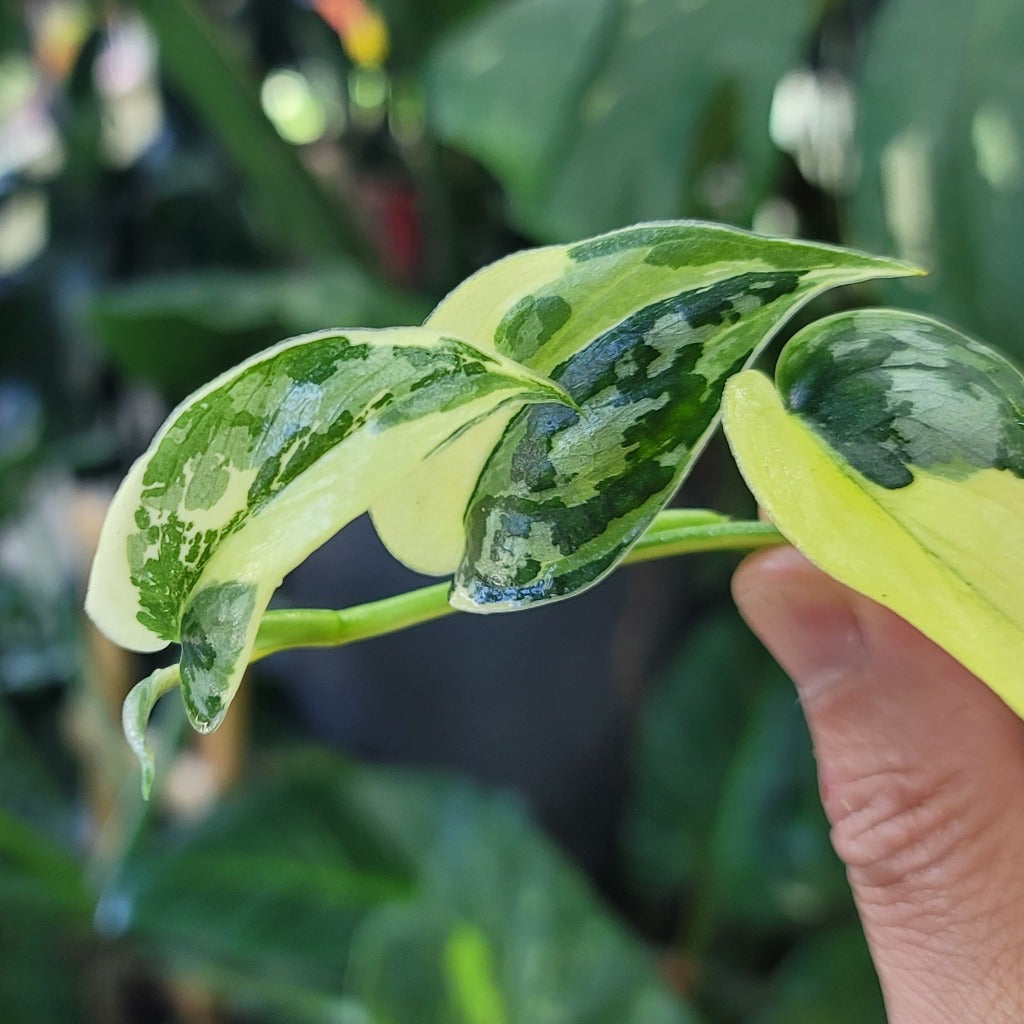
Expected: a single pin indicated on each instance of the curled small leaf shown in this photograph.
(135, 712)
(256, 470)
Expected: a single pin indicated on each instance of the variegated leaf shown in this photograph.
(257, 469)
(892, 455)
(642, 327)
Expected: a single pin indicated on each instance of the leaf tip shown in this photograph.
(135, 712)
(905, 269)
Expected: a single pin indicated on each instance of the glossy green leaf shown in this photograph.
(642, 327)
(259, 468)
(592, 113)
(941, 139)
(892, 455)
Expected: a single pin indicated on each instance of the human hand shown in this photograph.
(921, 771)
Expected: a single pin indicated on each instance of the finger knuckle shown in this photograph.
(900, 826)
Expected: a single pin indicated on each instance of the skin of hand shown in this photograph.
(921, 771)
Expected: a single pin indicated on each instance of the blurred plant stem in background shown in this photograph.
(206, 69)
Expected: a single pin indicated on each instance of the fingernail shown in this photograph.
(806, 619)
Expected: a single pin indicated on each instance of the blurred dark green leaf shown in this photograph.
(772, 865)
(41, 945)
(45, 903)
(691, 727)
(413, 25)
(22, 422)
(506, 932)
(28, 791)
(941, 133)
(828, 977)
(12, 28)
(273, 884)
(38, 634)
(591, 113)
(179, 331)
(40, 617)
(726, 802)
(443, 902)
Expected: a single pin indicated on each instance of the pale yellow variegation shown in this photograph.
(942, 545)
(256, 470)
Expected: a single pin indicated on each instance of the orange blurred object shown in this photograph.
(59, 29)
(363, 30)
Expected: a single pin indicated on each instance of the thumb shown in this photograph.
(921, 769)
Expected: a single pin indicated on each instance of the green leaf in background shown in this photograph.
(770, 864)
(687, 738)
(413, 26)
(28, 790)
(642, 327)
(45, 902)
(892, 455)
(273, 884)
(42, 945)
(260, 467)
(828, 977)
(941, 136)
(725, 807)
(328, 886)
(589, 111)
(179, 331)
(505, 932)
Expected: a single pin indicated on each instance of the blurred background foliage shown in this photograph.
(604, 812)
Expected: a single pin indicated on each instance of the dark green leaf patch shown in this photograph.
(567, 492)
(892, 391)
(533, 321)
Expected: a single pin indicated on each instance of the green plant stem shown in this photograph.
(674, 532)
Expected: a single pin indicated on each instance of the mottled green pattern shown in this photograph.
(614, 276)
(565, 493)
(663, 308)
(613, 354)
(891, 391)
(214, 635)
(264, 427)
(255, 471)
